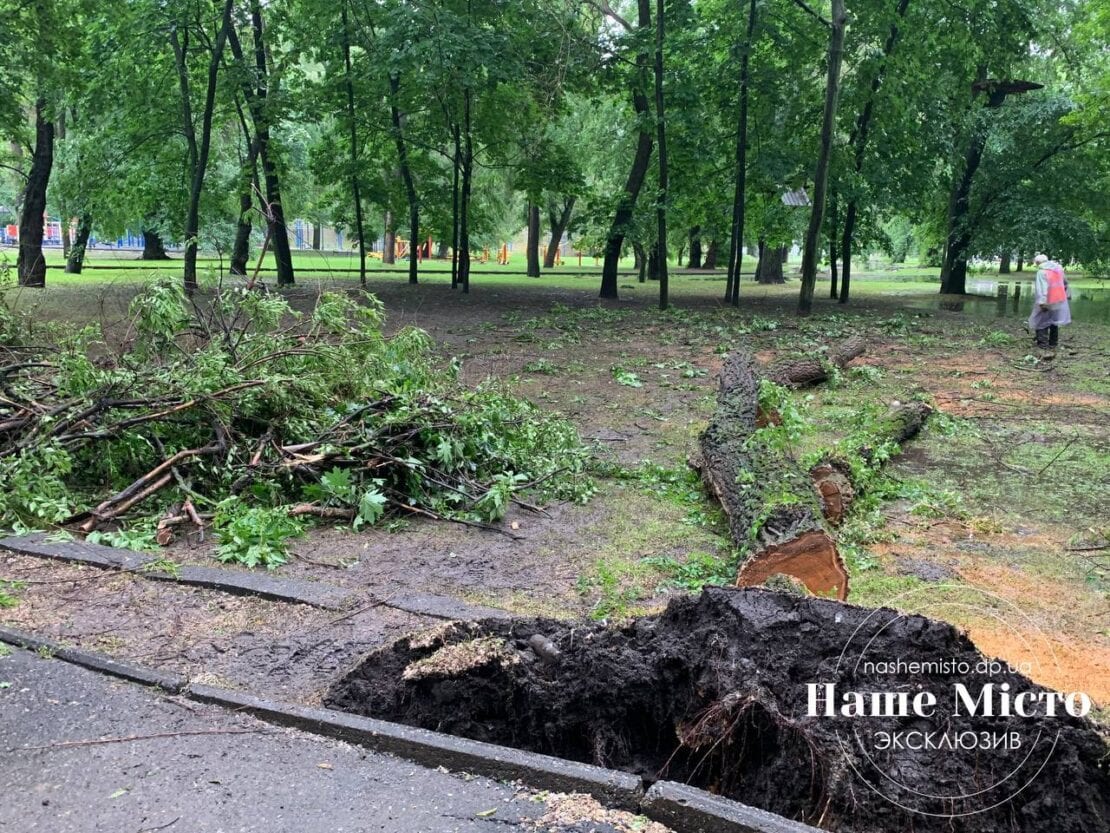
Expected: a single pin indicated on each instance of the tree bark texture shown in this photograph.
(631, 192)
(533, 244)
(558, 223)
(30, 262)
(76, 260)
(352, 134)
(769, 269)
(838, 22)
(800, 372)
(712, 252)
(751, 478)
(198, 149)
(695, 249)
(661, 158)
(858, 142)
(832, 476)
(154, 248)
(389, 236)
(406, 174)
(736, 244)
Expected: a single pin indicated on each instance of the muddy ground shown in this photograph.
(1007, 491)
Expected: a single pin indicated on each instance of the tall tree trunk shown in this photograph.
(858, 141)
(464, 211)
(455, 162)
(1004, 263)
(153, 247)
(63, 208)
(661, 125)
(837, 24)
(695, 248)
(953, 275)
(352, 133)
(389, 238)
(711, 255)
(31, 262)
(240, 249)
(279, 235)
(832, 248)
(653, 262)
(248, 179)
(533, 245)
(736, 244)
(622, 218)
(76, 260)
(770, 264)
(846, 251)
(640, 260)
(198, 151)
(558, 225)
(1020, 260)
(406, 174)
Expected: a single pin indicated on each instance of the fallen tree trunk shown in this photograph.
(781, 514)
(796, 373)
(833, 476)
(772, 507)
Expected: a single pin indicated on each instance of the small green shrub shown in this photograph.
(254, 535)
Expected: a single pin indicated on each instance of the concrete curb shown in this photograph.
(682, 808)
(619, 789)
(695, 811)
(165, 680)
(312, 593)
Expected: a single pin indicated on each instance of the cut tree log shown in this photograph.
(833, 475)
(770, 501)
(800, 372)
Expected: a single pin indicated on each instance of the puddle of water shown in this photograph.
(1088, 305)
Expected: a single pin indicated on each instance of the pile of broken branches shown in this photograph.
(234, 398)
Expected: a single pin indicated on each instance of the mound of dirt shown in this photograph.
(716, 692)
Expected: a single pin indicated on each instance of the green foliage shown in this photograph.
(254, 535)
(8, 589)
(997, 338)
(162, 565)
(34, 490)
(338, 488)
(383, 422)
(541, 366)
(866, 373)
(696, 571)
(139, 538)
(626, 377)
(792, 422)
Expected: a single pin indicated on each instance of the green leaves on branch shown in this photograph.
(243, 406)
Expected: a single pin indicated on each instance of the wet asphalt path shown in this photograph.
(233, 774)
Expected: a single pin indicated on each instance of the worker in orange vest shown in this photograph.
(1050, 302)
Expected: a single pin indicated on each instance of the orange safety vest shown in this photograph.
(1057, 293)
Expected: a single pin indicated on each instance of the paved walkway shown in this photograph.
(190, 768)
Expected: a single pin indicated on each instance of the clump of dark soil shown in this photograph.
(714, 692)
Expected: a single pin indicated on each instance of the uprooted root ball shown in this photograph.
(713, 692)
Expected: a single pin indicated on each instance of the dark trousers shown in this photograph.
(1048, 336)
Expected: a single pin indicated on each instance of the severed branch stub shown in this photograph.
(800, 372)
(833, 476)
(770, 501)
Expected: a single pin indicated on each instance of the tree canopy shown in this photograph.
(972, 130)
